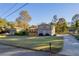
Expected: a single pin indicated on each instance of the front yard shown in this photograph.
(38, 43)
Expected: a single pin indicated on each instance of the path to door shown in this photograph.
(71, 46)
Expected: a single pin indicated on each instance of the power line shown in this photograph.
(9, 9)
(17, 10)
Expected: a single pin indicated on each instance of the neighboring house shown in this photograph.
(10, 32)
(73, 31)
(33, 30)
(18, 29)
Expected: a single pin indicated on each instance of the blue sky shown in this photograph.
(42, 12)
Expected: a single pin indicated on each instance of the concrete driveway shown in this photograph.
(71, 46)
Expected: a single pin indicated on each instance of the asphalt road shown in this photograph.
(12, 51)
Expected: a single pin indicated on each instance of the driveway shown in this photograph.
(71, 46)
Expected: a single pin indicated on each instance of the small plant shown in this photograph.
(21, 33)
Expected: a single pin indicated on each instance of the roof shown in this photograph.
(42, 24)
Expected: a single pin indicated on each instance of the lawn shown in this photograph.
(38, 43)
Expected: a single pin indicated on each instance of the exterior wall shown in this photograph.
(12, 31)
(52, 30)
(18, 29)
(33, 31)
(44, 29)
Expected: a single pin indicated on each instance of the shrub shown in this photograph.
(21, 33)
(77, 37)
(54, 35)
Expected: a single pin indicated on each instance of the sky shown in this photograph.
(40, 12)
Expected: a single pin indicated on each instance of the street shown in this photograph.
(11, 51)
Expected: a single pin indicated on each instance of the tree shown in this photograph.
(11, 25)
(3, 22)
(75, 23)
(23, 19)
(25, 16)
(75, 18)
(55, 19)
(3, 25)
(61, 26)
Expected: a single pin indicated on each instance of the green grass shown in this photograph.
(34, 42)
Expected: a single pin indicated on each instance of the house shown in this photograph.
(12, 31)
(33, 30)
(73, 30)
(46, 29)
(18, 29)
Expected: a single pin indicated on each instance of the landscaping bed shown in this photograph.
(38, 43)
